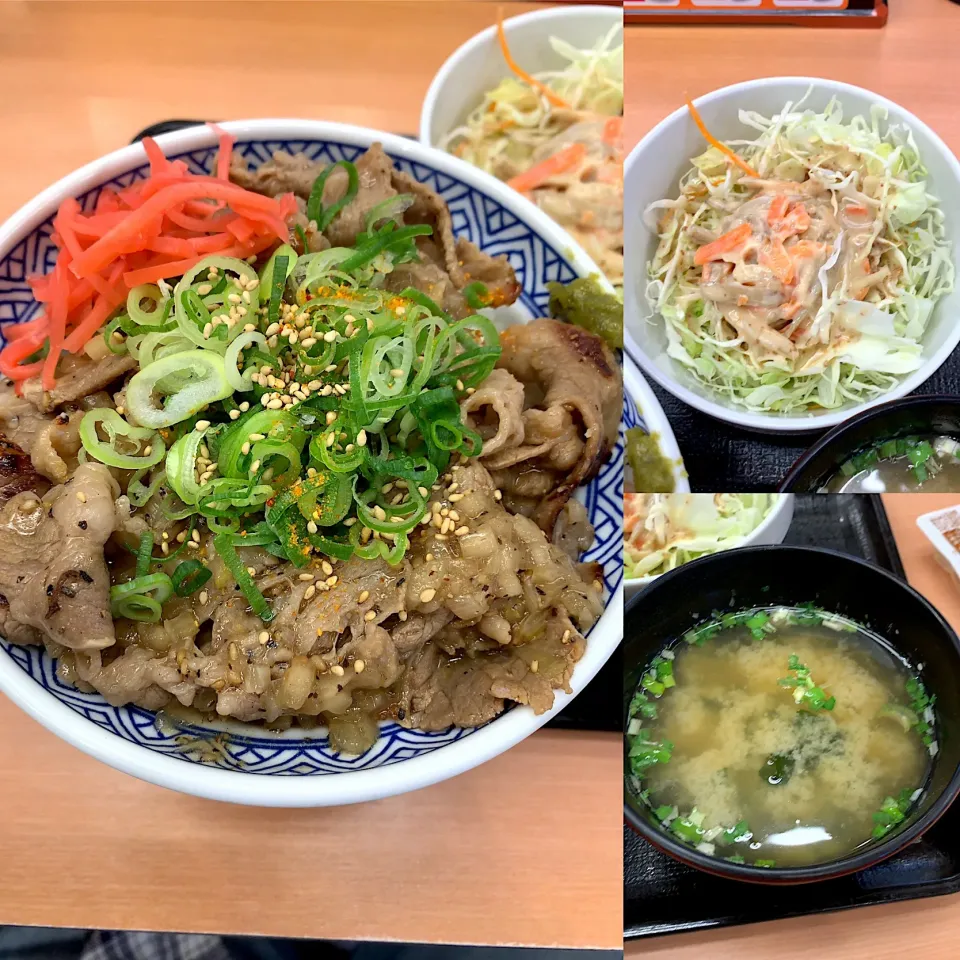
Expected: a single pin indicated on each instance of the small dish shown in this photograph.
(772, 575)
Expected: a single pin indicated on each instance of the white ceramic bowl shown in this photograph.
(653, 170)
(772, 530)
(298, 767)
(477, 66)
(642, 409)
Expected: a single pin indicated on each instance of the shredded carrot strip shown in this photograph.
(559, 162)
(714, 142)
(200, 224)
(125, 237)
(730, 241)
(227, 141)
(613, 132)
(553, 98)
(58, 326)
(155, 229)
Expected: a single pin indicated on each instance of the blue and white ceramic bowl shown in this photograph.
(297, 767)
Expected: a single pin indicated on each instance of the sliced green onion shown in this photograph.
(156, 317)
(145, 553)
(141, 598)
(278, 279)
(189, 381)
(119, 432)
(393, 208)
(316, 212)
(289, 256)
(113, 345)
(181, 466)
(401, 241)
(476, 294)
(223, 544)
(242, 381)
(189, 577)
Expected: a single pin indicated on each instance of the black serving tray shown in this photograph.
(662, 895)
(598, 706)
(722, 458)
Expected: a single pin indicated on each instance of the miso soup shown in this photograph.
(780, 737)
(901, 466)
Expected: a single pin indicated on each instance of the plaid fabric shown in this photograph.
(121, 945)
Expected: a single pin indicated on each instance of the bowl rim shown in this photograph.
(771, 422)
(866, 416)
(443, 75)
(831, 868)
(352, 786)
(780, 504)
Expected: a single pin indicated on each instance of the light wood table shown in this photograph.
(888, 932)
(913, 60)
(525, 849)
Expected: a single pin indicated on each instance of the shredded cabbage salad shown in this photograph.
(801, 272)
(666, 530)
(556, 136)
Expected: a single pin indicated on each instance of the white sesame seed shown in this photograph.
(256, 437)
(331, 581)
(202, 425)
(337, 670)
(244, 407)
(263, 636)
(534, 666)
(362, 438)
(326, 567)
(204, 597)
(359, 666)
(245, 449)
(309, 593)
(252, 571)
(427, 595)
(365, 595)
(311, 526)
(234, 414)
(81, 496)
(370, 615)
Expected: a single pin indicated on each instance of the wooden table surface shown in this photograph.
(931, 928)
(525, 849)
(913, 60)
